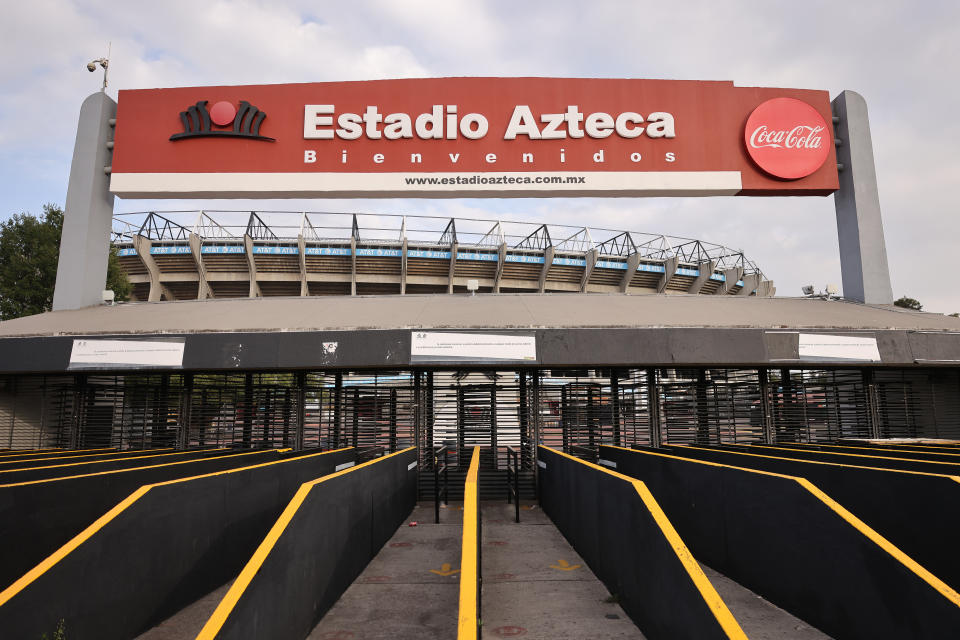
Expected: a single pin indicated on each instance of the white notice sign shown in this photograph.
(97, 354)
(436, 345)
(824, 347)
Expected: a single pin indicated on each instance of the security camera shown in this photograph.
(808, 290)
(91, 67)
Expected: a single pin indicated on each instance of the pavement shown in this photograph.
(536, 586)
(187, 622)
(411, 589)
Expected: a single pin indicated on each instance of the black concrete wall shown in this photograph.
(775, 537)
(56, 469)
(340, 526)
(888, 452)
(607, 523)
(918, 513)
(917, 463)
(174, 544)
(38, 518)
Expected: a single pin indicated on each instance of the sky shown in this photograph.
(901, 56)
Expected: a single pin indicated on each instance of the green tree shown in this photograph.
(908, 303)
(29, 252)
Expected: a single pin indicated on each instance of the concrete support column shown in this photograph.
(403, 267)
(203, 288)
(591, 258)
(669, 270)
(501, 260)
(302, 251)
(141, 245)
(863, 250)
(251, 266)
(88, 213)
(706, 270)
(766, 289)
(633, 261)
(731, 277)
(750, 282)
(353, 265)
(453, 266)
(547, 261)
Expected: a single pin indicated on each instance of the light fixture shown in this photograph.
(808, 290)
(104, 64)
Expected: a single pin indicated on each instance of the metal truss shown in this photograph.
(392, 229)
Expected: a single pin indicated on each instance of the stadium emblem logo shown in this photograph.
(222, 119)
(787, 138)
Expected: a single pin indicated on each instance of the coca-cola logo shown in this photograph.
(787, 138)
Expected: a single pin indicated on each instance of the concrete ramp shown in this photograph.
(788, 541)
(159, 549)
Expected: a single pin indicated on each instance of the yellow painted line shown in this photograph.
(765, 447)
(707, 591)
(851, 519)
(821, 447)
(467, 610)
(74, 464)
(121, 506)
(822, 462)
(152, 466)
(229, 602)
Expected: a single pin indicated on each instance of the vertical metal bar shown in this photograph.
(536, 432)
(186, 412)
(461, 426)
(653, 406)
(493, 425)
(766, 417)
(524, 421)
(79, 406)
(355, 422)
(418, 421)
(428, 417)
(615, 405)
(300, 397)
(873, 414)
(337, 408)
(248, 407)
(564, 419)
(703, 411)
(393, 419)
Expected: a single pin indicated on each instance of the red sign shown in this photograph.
(787, 138)
(459, 137)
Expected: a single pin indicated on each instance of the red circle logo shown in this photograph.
(223, 113)
(787, 138)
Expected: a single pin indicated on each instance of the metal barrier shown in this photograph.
(468, 619)
(513, 481)
(590, 454)
(365, 454)
(440, 469)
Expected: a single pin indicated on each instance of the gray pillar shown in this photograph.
(863, 252)
(591, 262)
(706, 270)
(302, 249)
(669, 270)
(82, 270)
(633, 261)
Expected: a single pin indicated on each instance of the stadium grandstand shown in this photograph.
(230, 254)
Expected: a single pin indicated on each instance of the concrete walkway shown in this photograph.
(411, 589)
(536, 586)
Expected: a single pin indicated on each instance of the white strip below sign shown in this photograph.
(444, 346)
(453, 184)
(100, 354)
